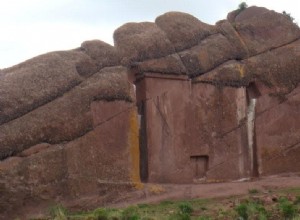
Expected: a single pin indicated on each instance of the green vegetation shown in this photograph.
(242, 6)
(287, 208)
(58, 212)
(289, 16)
(251, 210)
(257, 205)
(185, 208)
(253, 191)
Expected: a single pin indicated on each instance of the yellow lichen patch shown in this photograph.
(134, 149)
(156, 189)
(241, 70)
(215, 181)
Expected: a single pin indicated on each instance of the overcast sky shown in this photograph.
(33, 27)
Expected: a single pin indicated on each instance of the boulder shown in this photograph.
(103, 54)
(210, 53)
(140, 41)
(265, 31)
(250, 13)
(171, 64)
(31, 84)
(231, 73)
(277, 69)
(65, 118)
(231, 16)
(233, 37)
(184, 30)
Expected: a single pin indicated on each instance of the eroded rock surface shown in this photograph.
(69, 127)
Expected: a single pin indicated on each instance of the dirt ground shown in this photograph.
(155, 193)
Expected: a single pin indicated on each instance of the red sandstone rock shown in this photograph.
(278, 70)
(34, 149)
(192, 129)
(171, 64)
(200, 59)
(66, 117)
(266, 31)
(250, 13)
(233, 37)
(95, 163)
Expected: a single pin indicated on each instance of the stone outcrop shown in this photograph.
(213, 103)
(141, 41)
(183, 30)
(58, 111)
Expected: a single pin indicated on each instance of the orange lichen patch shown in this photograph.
(133, 140)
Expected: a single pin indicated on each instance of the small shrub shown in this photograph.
(147, 218)
(180, 216)
(185, 208)
(58, 212)
(204, 218)
(289, 16)
(142, 206)
(101, 214)
(288, 209)
(222, 213)
(130, 214)
(297, 201)
(253, 191)
(184, 211)
(251, 210)
(241, 209)
(242, 6)
(166, 202)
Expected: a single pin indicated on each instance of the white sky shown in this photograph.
(33, 27)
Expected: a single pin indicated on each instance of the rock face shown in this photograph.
(60, 115)
(213, 103)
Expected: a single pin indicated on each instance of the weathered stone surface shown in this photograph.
(231, 15)
(277, 69)
(164, 129)
(35, 82)
(266, 31)
(141, 41)
(81, 167)
(233, 37)
(220, 113)
(102, 53)
(66, 117)
(184, 143)
(69, 129)
(171, 64)
(278, 129)
(34, 150)
(250, 13)
(210, 53)
(231, 73)
(184, 30)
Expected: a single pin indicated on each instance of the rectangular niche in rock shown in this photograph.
(200, 166)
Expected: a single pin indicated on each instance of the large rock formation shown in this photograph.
(216, 102)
